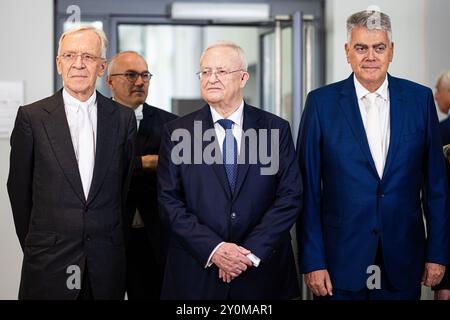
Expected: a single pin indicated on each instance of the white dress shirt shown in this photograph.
(139, 114)
(74, 117)
(382, 102)
(71, 106)
(238, 119)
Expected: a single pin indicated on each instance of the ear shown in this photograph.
(244, 79)
(59, 65)
(109, 82)
(102, 68)
(347, 51)
(391, 57)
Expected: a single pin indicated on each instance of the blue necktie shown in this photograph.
(229, 152)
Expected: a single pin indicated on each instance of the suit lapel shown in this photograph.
(349, 105)
(107, 129)
(251, 121)
(60, 139)
(396, 121)
(219, 170)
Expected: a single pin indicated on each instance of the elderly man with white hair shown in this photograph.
(71, 156)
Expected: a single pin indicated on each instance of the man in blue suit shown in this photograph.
(371, 159)
(229, 219)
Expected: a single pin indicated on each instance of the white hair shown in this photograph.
(370, 19)
(444, 80)
(101, 35)
(229, 44)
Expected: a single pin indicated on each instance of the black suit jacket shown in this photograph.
(143, 194)
(56, 226)
(444, 128)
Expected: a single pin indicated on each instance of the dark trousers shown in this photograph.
(386, 291)
(86, 289)
(144, 274)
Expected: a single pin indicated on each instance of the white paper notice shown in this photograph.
(11, 98)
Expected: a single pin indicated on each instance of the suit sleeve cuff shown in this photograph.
(209, 262)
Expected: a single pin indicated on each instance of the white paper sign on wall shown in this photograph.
(11, 98)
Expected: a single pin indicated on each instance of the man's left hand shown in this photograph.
(433, 274)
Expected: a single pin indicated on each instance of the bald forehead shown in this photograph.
(128, 61)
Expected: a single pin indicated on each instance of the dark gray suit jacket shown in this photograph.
(56, 226)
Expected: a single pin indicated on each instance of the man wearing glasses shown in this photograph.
(129, 78)
(71, 157)
(229, 222)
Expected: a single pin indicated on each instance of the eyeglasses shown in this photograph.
(85, 57)
(132, 76)
(220, 74)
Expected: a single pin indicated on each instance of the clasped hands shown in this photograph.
(231, 260)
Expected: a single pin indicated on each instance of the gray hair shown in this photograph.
(444, 80)
(98, 32)
(370, 19)
(112, 62)
(232, 45)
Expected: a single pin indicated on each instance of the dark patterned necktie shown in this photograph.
(229, 152)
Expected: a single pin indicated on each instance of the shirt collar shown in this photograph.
(236, 117)
(361, 91)
(138, 112)
(69, 100)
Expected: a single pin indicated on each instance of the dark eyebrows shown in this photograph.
(365, 46)
(379, 45)
(134, 71)
(360, 45)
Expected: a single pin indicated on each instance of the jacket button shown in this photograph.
(233, 215)
(376, 232)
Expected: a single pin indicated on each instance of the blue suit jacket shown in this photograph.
(197, 206)
(348, 208)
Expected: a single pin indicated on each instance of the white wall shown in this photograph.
(437, 43)
(26, 38)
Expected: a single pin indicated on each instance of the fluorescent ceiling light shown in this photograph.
(220, 11)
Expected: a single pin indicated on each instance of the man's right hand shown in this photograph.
(149, 162)
(319, 282)
(231, 259)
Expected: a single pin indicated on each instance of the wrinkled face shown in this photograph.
(125, 91)
(79, 74)
(369, 54)
(442, 96)
(222, 87)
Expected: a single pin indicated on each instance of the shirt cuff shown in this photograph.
(254, 259)
(209, 262)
